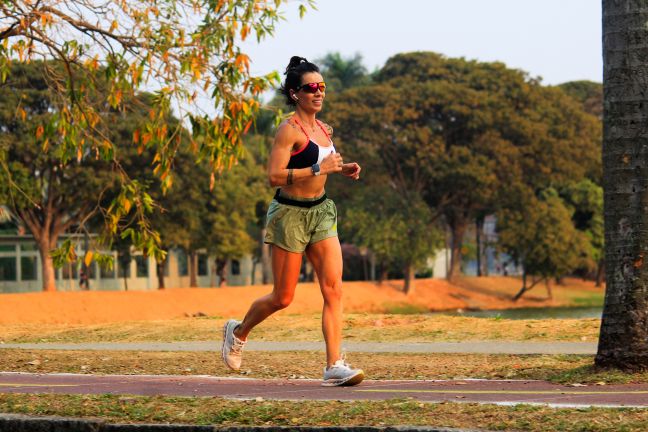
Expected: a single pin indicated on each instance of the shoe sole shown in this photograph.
(223, 345)
(346, 382)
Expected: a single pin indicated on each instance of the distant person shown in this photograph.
(84, 282)
(302, 219)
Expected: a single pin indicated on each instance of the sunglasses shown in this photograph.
(313, 87)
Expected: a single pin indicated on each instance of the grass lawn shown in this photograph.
(285, 327)
(133, 409)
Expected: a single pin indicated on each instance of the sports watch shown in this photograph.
(316, 169)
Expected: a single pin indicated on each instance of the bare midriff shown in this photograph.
(310, 188)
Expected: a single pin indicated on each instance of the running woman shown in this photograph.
(302, 219)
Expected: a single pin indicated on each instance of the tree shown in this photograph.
(538, 233)
(187, 51)
(398, 230)
(48, 195)
(230, 213)
(177, 217)
(588, 93)
(623, 341)
(585, 198)
(459, 133)
(342, 73)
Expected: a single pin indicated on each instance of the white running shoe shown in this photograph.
(232, 350)
(341, 374)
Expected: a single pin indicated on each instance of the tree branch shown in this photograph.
(86, 27)
(27, 217)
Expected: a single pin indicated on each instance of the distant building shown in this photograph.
(494, 263)
(20, 270)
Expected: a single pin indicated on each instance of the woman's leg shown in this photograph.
(326, 258)
(285, 268)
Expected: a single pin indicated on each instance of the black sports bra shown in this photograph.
(311, 153)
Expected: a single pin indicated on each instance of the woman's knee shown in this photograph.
(282, 301)
(332, 291)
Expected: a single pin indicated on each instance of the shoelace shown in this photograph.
(343, 358)
(237, 346)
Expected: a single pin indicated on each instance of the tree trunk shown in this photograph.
(160, 273)
(193, 269)
(266, 262)
(458, 229)
(524, 279)
(623, 341)
(408, 273)
(124, 260)
(213, 275)
(365, 267)
(47, 265)
(479, 227)
(382, 274)
(221, 271)
(549, 291)
(253, 275)
(45, 228)
(524, 288)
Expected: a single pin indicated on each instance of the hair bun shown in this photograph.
(294, 62)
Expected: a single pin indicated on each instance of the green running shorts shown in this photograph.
(293, 223)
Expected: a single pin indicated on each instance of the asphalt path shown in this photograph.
(503, 392)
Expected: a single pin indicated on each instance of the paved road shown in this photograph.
(478, 347)
(481, 391)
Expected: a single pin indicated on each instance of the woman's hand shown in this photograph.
(331, 164)
(352, 170)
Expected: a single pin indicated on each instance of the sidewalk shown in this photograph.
(470, 347)
(502, 392)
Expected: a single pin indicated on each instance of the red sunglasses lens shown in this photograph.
(313, 87)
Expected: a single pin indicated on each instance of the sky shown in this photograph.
(557, 40)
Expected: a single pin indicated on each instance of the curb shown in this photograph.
(24, 423)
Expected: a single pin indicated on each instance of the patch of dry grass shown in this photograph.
(357, 327)
(140, 409)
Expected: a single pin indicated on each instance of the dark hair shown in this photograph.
(297, 67)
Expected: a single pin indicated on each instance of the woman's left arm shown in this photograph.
(351, 169)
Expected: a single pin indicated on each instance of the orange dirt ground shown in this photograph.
(92, 307)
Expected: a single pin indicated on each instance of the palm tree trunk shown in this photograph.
(623, 341)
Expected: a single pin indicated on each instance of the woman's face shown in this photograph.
(307, 100)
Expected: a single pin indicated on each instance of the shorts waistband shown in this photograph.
(282, 198)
